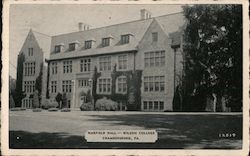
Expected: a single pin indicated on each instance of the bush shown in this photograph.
(37, 110)
(87, 107)
(105, 104)
(65, 110)
(17, 109)
(53, 109)
(49, 104)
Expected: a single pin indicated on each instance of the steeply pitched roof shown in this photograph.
(169, 23)
(44, 42)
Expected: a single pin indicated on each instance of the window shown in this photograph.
(122, 84)
(72, 46)
(145, 105)
(29, 86)
(30, 51)
(154, 36)
(105, 63)
(154, 83)
(153, 105)
(83, 83)
(156, 105)
(104, 85)
(161, 105)
(66, 86)
(124, 39)
(105, 42)
(53, 86)
(54, 67)
(29, 68)
(57, 48)
(67, 66)
(122, 62)
(85, 65)
(154, 59)
(88, 44)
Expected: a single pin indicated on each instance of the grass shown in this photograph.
(60, 130)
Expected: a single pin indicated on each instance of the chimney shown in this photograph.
(82, 26)
(145, 14)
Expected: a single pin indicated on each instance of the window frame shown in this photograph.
(125, 39)
(88, 44)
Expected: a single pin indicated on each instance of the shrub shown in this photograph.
(105, 104)
(53, 109)
(37, 110)
(17, 109)
(49, 104)
(65, 110)
(87, 107)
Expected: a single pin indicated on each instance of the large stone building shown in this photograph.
(137, 63)
(33, 53)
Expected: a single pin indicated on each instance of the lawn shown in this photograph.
(175, 131)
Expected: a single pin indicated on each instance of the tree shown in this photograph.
(59, 99)
(18, 95)
(213, 54)
(64, 101)
(36, 99)
(38, 85)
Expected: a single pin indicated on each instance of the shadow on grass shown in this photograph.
(174, 132)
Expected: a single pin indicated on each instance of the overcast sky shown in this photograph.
(59, 19)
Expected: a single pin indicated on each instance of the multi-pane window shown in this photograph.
(154, 59)
(122, 62)
(54, 67)
(66, 86)
(125, 39)
(72, 46)
(53, 86)
(105, 42)
(153, 105)
(154, 36)
(105, 63)
(104, 85)
(83, 83)
(29, 86)
(57, 48)
(30, 50)
(67, 66)
(29, 68)
(121, 84)
(154, 83)
(88, 44)
(85, 65)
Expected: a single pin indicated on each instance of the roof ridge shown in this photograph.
(118, 24)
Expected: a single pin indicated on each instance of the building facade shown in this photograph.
(34, 51)
(137, 64)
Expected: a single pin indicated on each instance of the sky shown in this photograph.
(55, 19)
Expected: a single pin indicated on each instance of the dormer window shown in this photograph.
(58, 48)
(106, 42)
(125, 38)
(72, 46)
(88, 44)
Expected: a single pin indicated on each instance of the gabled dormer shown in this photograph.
(106, 41)
(59, 48)
(126, 38)
(73, 46)
(88, 44)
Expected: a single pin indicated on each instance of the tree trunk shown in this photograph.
(214, 101)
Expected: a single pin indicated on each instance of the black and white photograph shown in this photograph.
(127, 77)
